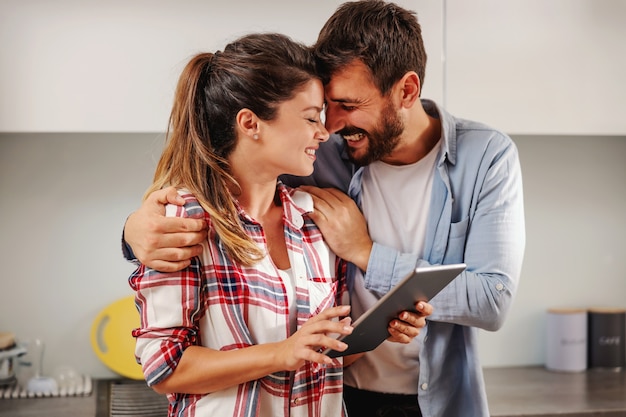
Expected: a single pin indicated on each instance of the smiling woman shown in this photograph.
(229, 323)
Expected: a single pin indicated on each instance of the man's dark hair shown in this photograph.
(384, 36)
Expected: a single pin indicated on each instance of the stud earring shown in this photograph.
(255, 136)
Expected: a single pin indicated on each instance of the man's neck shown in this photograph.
(418, 139)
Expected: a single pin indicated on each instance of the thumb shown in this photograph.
(168, 195)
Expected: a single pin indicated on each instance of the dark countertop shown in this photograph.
(512, 391)
(535, 391)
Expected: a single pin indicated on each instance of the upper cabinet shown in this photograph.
(523, 66)
(112, 66)
(538, 66)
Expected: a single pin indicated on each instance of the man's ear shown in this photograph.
(247, 122)
(410, 89)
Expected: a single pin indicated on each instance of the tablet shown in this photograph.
(370, 329)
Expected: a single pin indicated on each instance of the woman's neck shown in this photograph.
(255, 195)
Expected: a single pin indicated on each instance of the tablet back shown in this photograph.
(370, 329)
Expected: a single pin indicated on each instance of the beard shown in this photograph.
(382, 140)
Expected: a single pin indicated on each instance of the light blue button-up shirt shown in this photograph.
(476, 217)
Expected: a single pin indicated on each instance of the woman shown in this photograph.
(239, 331)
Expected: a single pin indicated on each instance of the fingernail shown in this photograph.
(420, 306)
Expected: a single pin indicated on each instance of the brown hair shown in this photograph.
(257, 72)
(384, 36)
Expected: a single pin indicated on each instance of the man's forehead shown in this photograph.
(352, 83)
(354, 70)
(350, 92)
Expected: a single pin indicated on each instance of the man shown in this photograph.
(433, 189)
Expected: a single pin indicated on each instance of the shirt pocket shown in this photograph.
(322, 292)
(456, 241)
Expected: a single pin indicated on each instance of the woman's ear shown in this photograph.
(248, 123)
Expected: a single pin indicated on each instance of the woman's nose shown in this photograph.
(323, 134)
(333, 121)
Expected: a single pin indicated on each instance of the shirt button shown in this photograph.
(298, 221)
(499, 287)
(424, 386)
(295, 401)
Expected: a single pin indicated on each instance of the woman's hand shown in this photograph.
(318, 333)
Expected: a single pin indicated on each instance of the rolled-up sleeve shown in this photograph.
(170, 307)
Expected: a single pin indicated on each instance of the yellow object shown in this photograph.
(112, 340)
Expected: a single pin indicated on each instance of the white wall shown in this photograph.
(98, 68)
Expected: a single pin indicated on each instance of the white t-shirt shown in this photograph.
(396, 200)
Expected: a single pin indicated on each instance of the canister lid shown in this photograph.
(607, 310)
(7, 340)
(566, 310)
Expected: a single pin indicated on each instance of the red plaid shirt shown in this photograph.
(223, 305)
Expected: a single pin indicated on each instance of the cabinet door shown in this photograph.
(538, 66)
(112, 66)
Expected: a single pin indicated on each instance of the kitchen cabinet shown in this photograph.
(112, 66)
(523, 66)
(537, 66)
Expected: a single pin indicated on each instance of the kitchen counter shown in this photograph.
(537, 392)
(49, 407)
(512, 392)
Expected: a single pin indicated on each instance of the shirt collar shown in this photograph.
(296, 204)
(448, 130)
